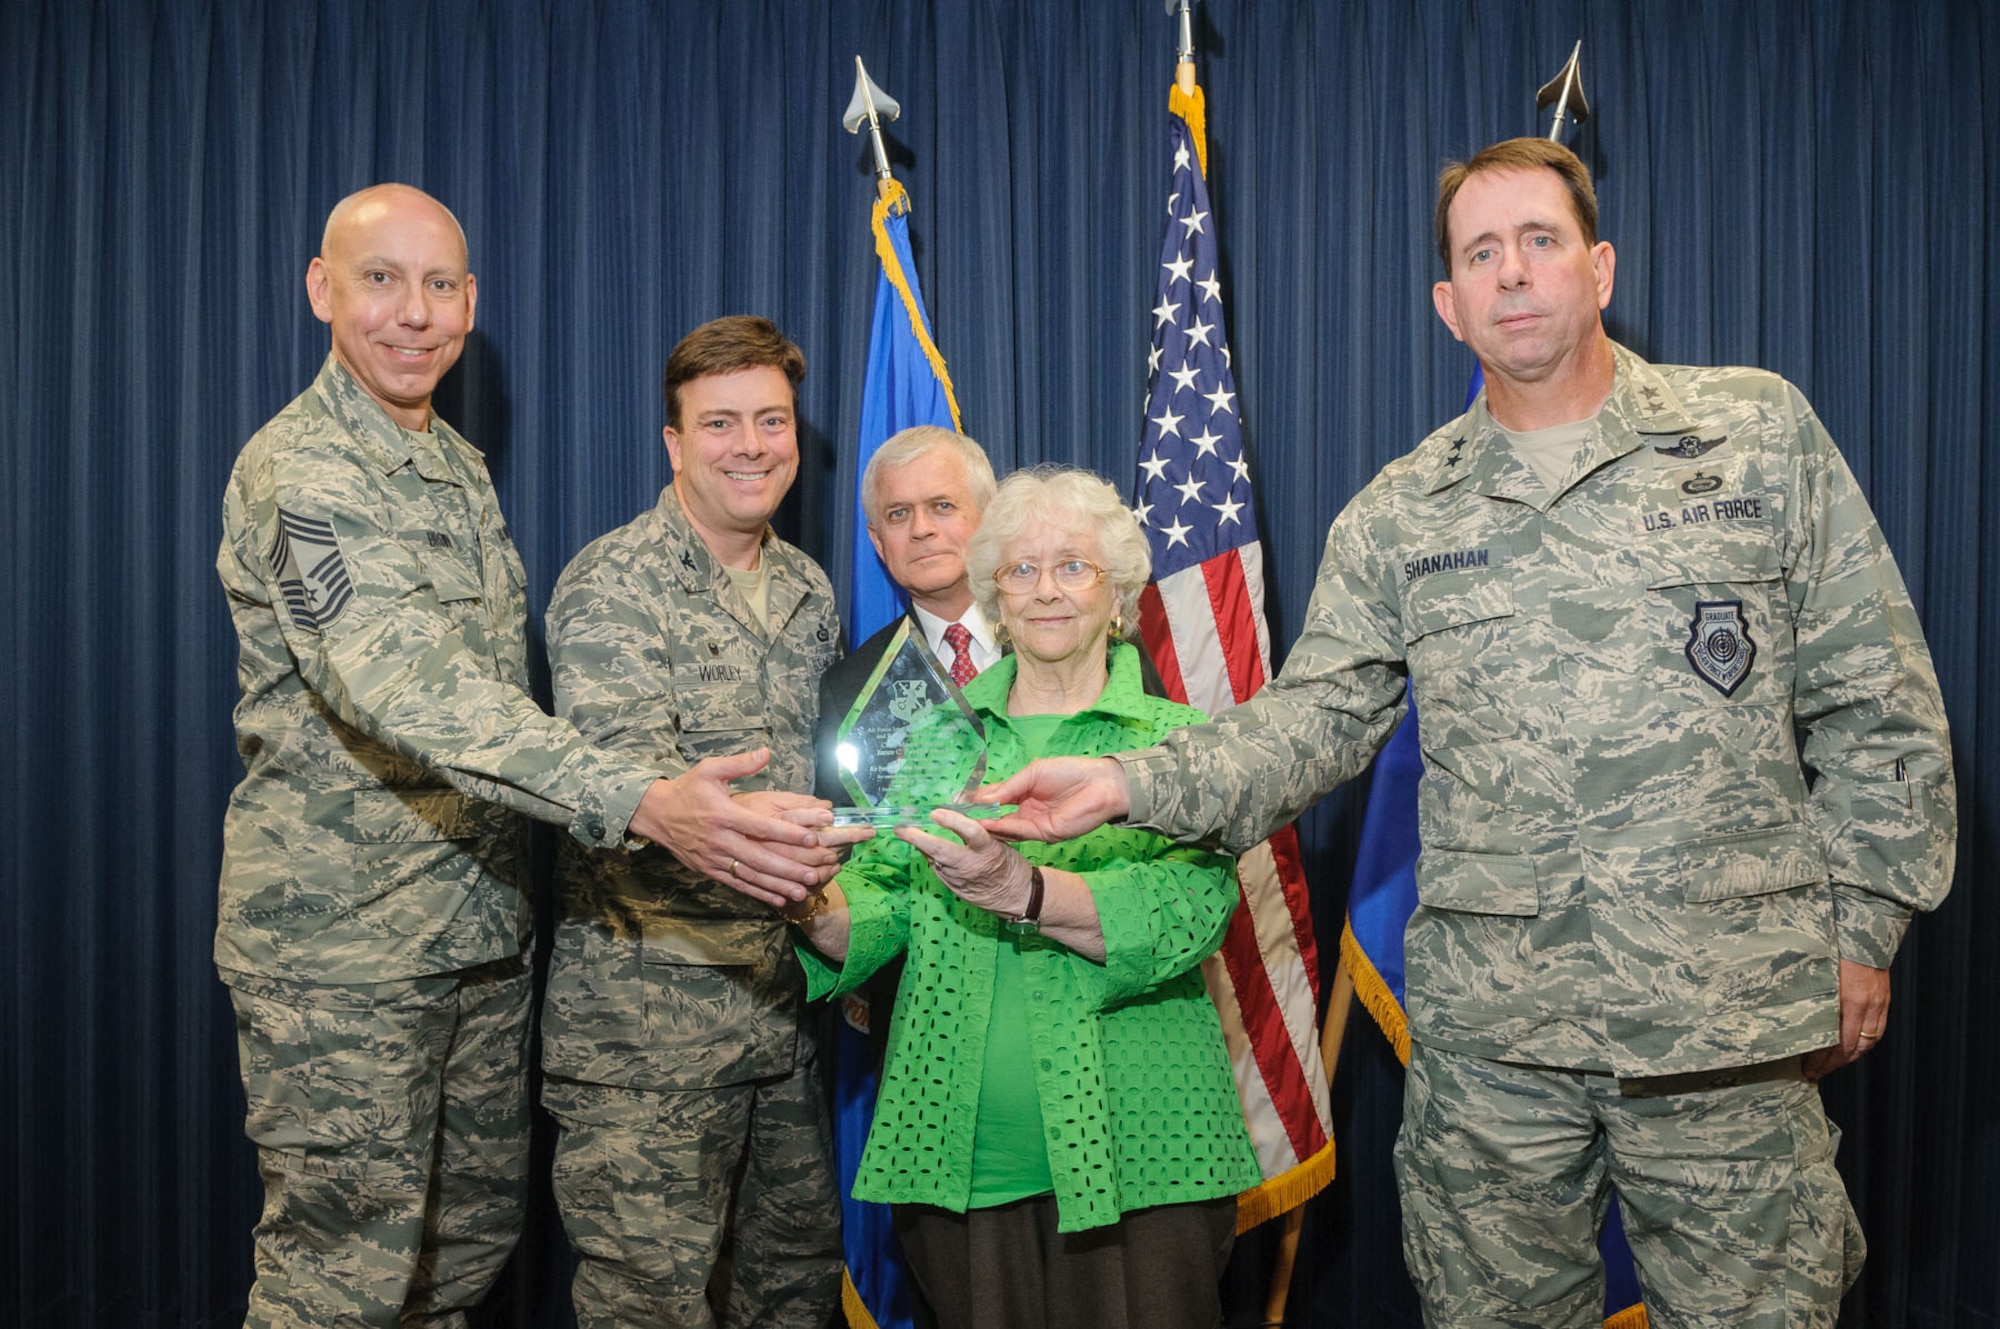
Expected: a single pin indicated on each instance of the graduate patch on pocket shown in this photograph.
(1719, 645)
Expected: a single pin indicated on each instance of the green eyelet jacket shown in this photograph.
(1137, 1100)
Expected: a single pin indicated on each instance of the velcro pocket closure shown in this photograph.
(397, 816)
(1750, 863)
(1445, 600)
(1473, 883)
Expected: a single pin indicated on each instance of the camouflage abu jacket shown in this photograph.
(663, 979)
(1629, 864)
(385, 725)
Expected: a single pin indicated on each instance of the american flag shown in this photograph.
(1203, 622)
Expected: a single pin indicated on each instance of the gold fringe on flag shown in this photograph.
(896, 199)
(1287, 1190)
(1193, 108)
(1375, 995)
(858, 1316)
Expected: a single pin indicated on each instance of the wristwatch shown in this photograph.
(1030, 917)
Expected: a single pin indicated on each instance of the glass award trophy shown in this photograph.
(908, 695)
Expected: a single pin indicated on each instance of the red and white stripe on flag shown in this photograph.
(1205, 630)
(1202, 619)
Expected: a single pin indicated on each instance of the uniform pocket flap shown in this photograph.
(395, 816)
(1748, 561)
(1472, 883)
(1751, 863)
(1446, 600)
(725, 741)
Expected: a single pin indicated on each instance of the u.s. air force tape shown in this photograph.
(312, 576)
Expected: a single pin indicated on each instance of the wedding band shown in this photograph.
(1873, 1038)
(732, 872)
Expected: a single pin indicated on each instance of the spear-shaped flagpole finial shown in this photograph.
(1565, 93)
(872, 106)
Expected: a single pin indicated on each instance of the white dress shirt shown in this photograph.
(985, 647)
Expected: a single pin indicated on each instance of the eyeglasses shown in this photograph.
(1072, 574)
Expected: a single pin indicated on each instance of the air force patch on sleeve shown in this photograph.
(312, 576)
(1719, 645)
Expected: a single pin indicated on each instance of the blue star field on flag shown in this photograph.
(1194, 484)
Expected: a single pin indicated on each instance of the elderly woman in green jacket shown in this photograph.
(1057, 1127)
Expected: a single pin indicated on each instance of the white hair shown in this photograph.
(907, 445)
(1070, 500)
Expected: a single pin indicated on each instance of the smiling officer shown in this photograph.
(694, 1135)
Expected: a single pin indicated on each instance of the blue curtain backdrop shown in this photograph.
(1808, 185)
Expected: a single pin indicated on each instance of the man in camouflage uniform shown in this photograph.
(1649, 920)
(373, 909)
(692, 1167)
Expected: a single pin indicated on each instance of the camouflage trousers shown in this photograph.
(695, 1208)
(1733, 1209)
(391, 1128)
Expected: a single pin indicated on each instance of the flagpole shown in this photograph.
(1194, 498)
(873, 107)
(1332, 1035)
(1187, 102)
(1184, 52)
(904, 382)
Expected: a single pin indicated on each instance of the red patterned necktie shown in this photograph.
(960, 640)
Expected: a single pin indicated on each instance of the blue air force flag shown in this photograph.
(905, 384)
